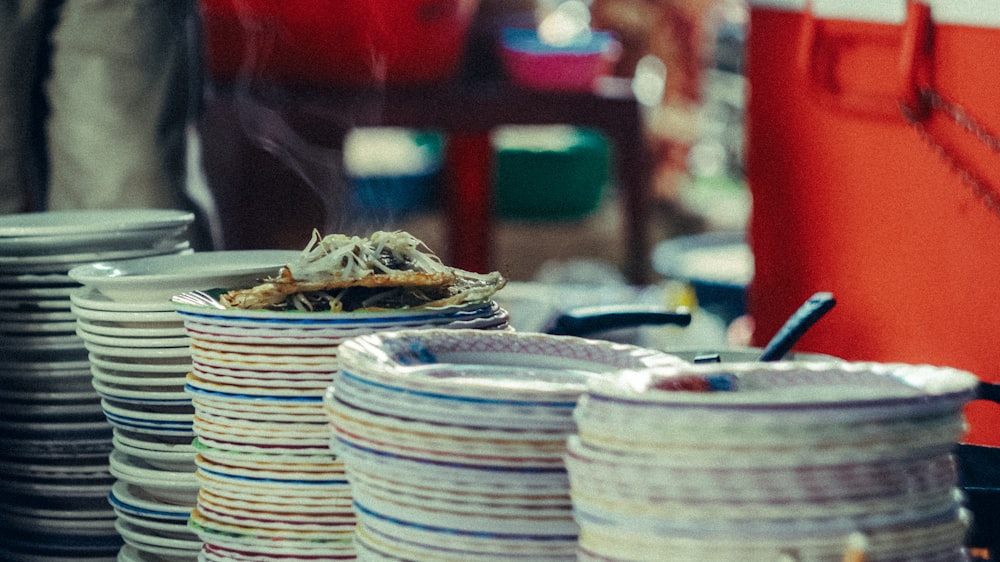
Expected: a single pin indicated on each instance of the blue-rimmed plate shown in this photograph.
(204, 306)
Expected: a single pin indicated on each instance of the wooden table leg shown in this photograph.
(634, 176)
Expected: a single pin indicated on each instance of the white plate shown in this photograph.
(73, 390)
(260, 409)
(168, 415)
(157, 353)
(229, 547)
(166, 330)
(426, 471)
(66, 262)
(198, 390)
(537, 546)
(289, 493)
(389, 427)
(122, 368)
(446, 515)
(497, 365)
(275, 473)
(237, 392)
(285, 432)
(80, 527)
(152, 523)
(61, 225)
(159, 278)
(156, 428)
(83, 470)
(265, 354)
(159, 459)
(137, 380)
(126, 317)
(30, 323)
(160, 543)
(18, 281)
(137, 499)
(263, 445)
(95, 509)
(320, 466)
(446, 409)
(52, 412)
(274, 363)
(269, 378)
(137, 394)
(45, 363)
(56, 426)
(33, 304)
(261, 333)
(138, 472)
(788, 387)
(268, 349)
(180, 414)
(138, 341)
(321, 461)
(162, 443)
(92, 299)
(128, 239)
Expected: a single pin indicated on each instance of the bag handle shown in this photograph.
(823, 42)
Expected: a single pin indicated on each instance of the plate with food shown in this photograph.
(385, 277)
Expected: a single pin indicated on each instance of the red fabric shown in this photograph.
(469, 165)
(335, 41)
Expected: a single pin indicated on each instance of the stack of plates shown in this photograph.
(139, 355)
(453, 441)
(55, 473)
(269, 484)
(793, 461)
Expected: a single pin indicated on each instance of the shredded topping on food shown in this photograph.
(348, 273)
(352, 257)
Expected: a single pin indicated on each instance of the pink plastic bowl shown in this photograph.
(532, 63)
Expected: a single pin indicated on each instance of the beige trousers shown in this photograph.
(95, 96)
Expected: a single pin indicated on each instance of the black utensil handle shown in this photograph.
(988, 391)
(793, 329)
(585, 320)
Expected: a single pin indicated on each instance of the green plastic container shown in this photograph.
(549, 173)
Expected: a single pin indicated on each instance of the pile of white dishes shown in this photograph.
(454, 441)
(54, 473)
(270, 487)
(760, 461)
(139, 355)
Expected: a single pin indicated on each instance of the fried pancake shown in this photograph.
(338, 272)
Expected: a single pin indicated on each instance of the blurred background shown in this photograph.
(561, 142)
(552, 186)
